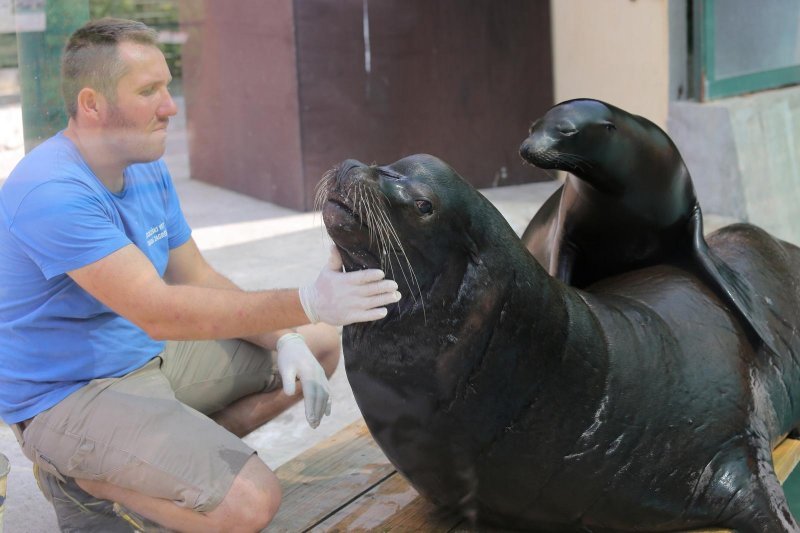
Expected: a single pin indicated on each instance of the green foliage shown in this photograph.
(159, 14)
(8, 50)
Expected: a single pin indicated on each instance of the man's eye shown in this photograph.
(424, 207)
(148, 91)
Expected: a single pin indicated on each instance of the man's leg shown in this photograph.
(130, 440)
(76, 510)
(249, 505)
(251, 412)
(237, 383)
(241, 417)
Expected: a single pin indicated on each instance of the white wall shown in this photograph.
(613, 50)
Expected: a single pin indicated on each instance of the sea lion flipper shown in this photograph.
(537, 236)
(730, 285)
(562, 261)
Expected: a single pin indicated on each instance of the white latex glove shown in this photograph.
(340, 298)
(296, 360)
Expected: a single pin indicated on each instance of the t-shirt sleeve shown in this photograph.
(179, 230)
(61, 226)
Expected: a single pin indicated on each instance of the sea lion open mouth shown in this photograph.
(359, 205)
(350, 205)
(387, 217)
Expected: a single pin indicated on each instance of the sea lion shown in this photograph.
(501, 392)
(627, 202)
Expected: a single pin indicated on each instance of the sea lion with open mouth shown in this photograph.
(501, 392)
(627, 202)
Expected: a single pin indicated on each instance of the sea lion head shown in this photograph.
(411, 218)
(599, 143)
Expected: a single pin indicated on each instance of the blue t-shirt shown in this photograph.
(56, 216)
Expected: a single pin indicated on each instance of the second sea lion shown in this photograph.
(628, 202)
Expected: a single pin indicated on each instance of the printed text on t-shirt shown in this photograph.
(156, 233)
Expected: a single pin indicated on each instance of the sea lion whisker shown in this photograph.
(322, 189)
(552, 172)
(389, 233)
(321, 192)
(579, 162)
(386, 248)
(358, 204)
(394, 237)
(374, 223)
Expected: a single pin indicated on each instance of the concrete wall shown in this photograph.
(744, 157)
(613, 50)
(743, 153)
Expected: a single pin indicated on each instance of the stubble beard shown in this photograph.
(135, 145)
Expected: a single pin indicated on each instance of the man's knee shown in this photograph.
(253, 499)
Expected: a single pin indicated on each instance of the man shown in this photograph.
(98, 269)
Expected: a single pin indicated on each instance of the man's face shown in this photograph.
(137, 121)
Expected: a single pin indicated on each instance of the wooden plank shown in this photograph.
(391, 506)
(360, 490)
(327, 477)
(785, 458)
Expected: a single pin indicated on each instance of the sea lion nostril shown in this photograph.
(346, 166)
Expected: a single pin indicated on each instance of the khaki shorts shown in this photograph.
(148, 431)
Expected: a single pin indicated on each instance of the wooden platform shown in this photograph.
(346, 484)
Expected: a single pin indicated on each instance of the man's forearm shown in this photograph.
(214, 279)
(191, 312)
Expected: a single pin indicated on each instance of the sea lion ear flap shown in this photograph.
(472, 248)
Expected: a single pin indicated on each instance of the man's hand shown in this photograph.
(296, 360)
(340, 298)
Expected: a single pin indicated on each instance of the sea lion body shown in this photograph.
(624, 205)
(498, 391)
(628, 202)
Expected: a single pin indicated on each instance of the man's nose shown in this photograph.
(167, 107)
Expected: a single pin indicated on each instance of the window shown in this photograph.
(747, 46)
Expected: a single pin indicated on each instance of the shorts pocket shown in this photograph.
(46, 464)
(95, 460)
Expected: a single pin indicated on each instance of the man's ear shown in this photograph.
(91, 104)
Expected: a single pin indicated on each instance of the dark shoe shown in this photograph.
(76, 510)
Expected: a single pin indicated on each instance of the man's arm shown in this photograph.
(187, 266)
(128, 283)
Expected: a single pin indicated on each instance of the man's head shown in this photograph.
(91, 57)
(115, 84)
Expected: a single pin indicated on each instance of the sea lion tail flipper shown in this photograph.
(731, 286)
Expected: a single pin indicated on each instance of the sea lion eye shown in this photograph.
(424, 206)
(609, 126)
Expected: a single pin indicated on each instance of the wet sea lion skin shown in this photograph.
(628, 202)
(500, 392)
